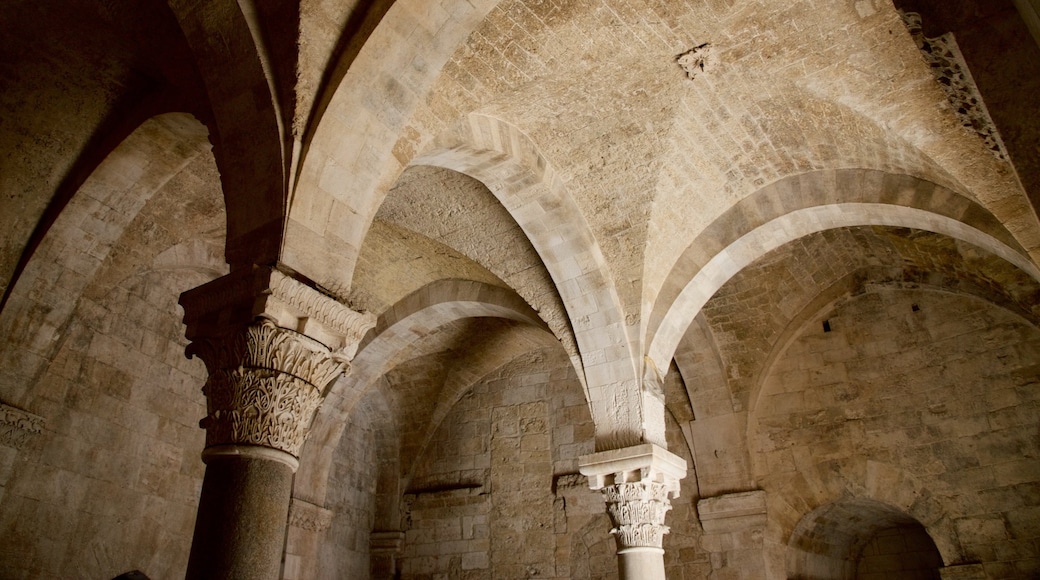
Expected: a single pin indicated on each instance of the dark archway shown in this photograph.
(902, 551)
(861, 539)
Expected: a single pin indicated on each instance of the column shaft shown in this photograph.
(240, 528)
(641, 564)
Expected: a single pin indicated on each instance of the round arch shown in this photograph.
(399, 327)
(756, 238)
(838, 540)
(86, 238)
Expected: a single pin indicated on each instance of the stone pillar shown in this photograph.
(638, 484)
(308, 522)
(734, 530)
(272, 347)
(384, 548)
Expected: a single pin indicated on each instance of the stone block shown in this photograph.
(733, 512)
(981, 530)
(475, 560)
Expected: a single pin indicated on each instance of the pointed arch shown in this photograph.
(512, 167)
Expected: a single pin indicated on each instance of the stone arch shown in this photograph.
(84, 238)
(477, 367)
(592, 552)
(841, 289)
(424, 310)
(386, 346)
(246, 127)
(721, 453)
(511, 166)
(323, 535)
(129, 373)
(202, 255)
(801, 205)
(802, 453)
(388, 485)
(828, 541)
(350, 157)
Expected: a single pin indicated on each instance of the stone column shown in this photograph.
(638, 484)
(272, 347)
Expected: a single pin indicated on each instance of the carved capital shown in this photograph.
(273, 346)
(18, 427)
(637, 513)
(316, 314)
(646, 462)
(240, 297)
(637, 484)
(264, 385)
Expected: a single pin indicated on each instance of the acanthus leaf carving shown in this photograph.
(265, 384)
(351, 325)
(637, 511)
(18, 427)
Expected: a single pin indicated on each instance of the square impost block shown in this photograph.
(388, 542)
(237, 299)
(646, 462)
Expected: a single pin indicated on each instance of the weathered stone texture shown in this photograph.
(341, 551)
(756, 233)
(493, 453)
(932, 386)
(898, 553)
(121, 464)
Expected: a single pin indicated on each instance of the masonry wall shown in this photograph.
(344, 552)
(923, 400)
(498, 494)
(94, 345)
(112, 483)
(485, 483)
(482, 503)
(899, 553)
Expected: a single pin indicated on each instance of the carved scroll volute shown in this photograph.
(265, 384)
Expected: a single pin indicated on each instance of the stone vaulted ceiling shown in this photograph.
(500, 183)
